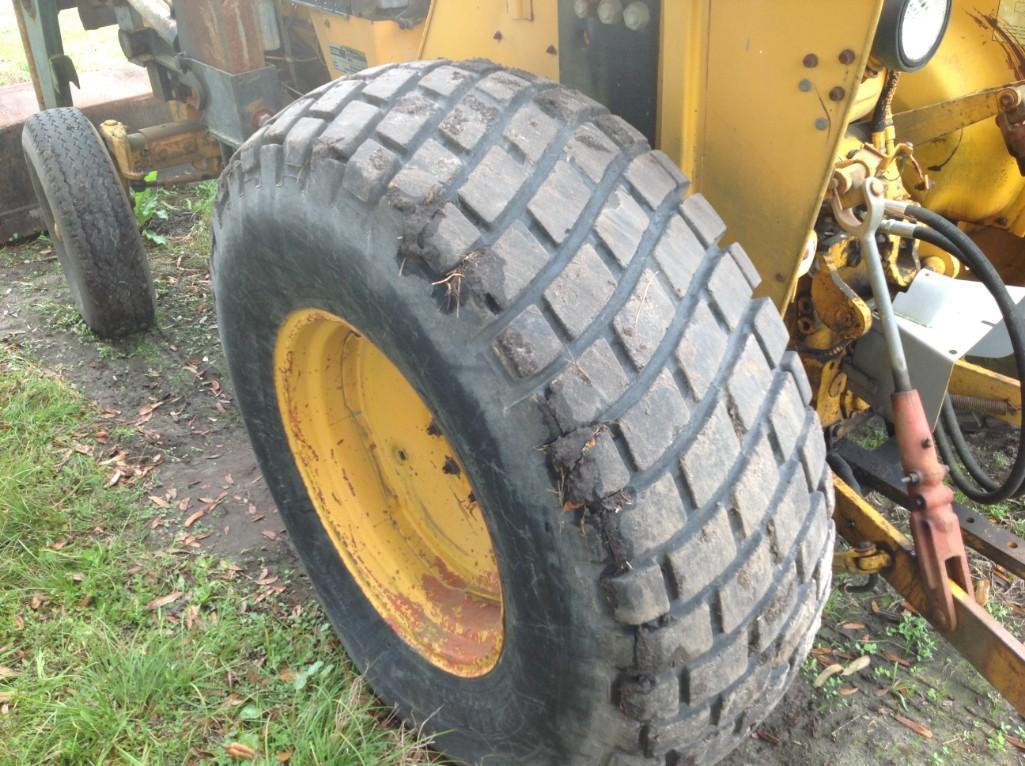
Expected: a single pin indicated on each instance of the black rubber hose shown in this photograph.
(843, 469)
(950, 430)
(951, 239)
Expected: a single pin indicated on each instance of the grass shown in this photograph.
(112, 651)
(92, 51)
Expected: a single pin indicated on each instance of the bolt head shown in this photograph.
(811, 61)
(847, 56)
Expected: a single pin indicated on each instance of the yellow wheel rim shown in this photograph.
(390, 491)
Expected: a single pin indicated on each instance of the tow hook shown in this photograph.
(934, 526)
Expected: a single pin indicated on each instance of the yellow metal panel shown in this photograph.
(381, 42)
(970, 379)
(498, 30)
(755, 126)
(977, 53)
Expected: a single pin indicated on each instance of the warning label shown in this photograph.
(1011, 20)
(349, 60)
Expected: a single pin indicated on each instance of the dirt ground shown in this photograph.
(170, 405)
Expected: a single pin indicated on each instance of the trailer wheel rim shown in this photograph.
(390, 492)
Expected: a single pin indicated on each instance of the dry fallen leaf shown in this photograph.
(284, 757)
(159, 502)
(36, 601)
(183, 504)
(58, 544)
(914, 726)
(890, 656)
(194, 518)
(859, 664)
(1015, 741)
(163, 600)
(853, 626)
(148, 408)
(849, 690)
(6, 672)
(982, 592)
(240, 751)
(269, 534)
(6, 697)
(114, 477)
(826, 674)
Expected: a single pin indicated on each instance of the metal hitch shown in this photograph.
(934, 526)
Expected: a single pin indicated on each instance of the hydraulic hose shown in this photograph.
(977, 485)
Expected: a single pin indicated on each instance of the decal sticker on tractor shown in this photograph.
(347, 60)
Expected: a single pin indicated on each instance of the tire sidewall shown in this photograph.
(346, 263)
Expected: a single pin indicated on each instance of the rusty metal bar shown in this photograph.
(980, 639)
(224, 34)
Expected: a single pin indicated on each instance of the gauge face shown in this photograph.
(921, 26)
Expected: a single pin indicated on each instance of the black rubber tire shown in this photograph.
(90, 221)
(638, 436)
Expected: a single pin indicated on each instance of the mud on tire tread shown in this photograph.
(98, 243)
(674, 423)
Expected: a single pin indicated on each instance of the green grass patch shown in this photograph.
(114, 652)
(91, 50)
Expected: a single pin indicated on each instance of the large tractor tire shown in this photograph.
(90, 222)
(551, 469)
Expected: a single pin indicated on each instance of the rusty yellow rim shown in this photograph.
(390, 491)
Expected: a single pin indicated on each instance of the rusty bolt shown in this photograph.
(837, 94)
(847, 56)
(811, 61)
(1002, 221)
(497, 35)
(551, 50)
(1009, 98)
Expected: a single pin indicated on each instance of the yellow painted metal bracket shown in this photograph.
(984, 642)
(863, 559)
(162, 146)
(754, 100)
(995, 394)
(917, 126)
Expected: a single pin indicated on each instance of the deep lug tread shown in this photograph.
(682, 443)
